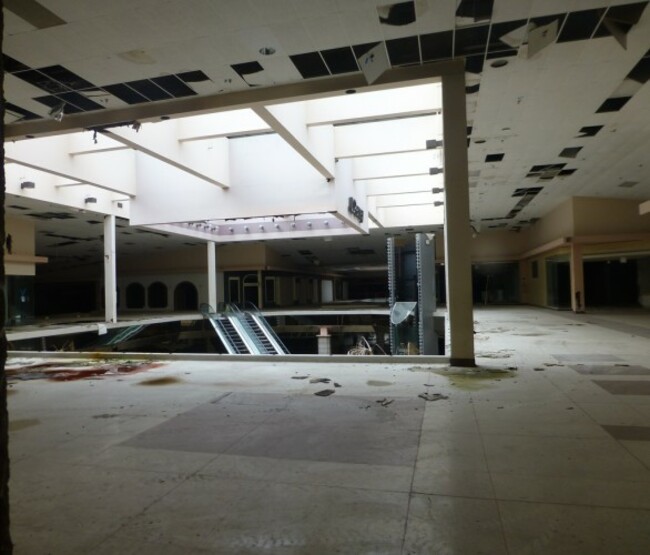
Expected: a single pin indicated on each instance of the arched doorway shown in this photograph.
(135, 295)
(186, 297)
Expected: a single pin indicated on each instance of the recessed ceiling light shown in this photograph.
(499, 63)
(267, 51)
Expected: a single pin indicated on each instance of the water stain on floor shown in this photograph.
(17, 425)
(167, 380)
(475, 379)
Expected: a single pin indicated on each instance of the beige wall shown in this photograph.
(497, 245)
(557, 223)
(600, 216)
(23, 240)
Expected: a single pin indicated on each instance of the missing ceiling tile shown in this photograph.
(340, 60)
(619, 20)
(580, 25)
(402, 13)
(196, 76)
(34, 13)
(641, 71)
(437, 46)
(474, 10)
(570, 152)
(403, 51)
(613, 104)
(589, 131)
(310, 65)
(471, 40)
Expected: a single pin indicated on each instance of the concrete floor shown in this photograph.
(545, 449)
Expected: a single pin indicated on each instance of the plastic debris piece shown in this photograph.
(337, 384)
(299, 377)
(320, 380)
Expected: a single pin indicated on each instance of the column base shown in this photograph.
(467, 362)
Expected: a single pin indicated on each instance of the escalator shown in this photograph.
(244, 331)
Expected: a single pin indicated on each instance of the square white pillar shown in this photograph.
(110, 273)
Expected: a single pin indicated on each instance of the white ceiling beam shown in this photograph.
(410, 216)
(48, 189)
(418, 99)
(221, 124)
(160, 140)
(395, 165)
(381, 137)
(403, 185)
(405, 200)
(289, 121)
(112, 171)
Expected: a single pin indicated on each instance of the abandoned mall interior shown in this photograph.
(328, 276)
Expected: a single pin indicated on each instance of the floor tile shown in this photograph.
(452, 464)
(573, 490)
(625, 387)
(233, 517)
(587, 357)
(433, 527)
(571, 530)
(562, 457)
(616, 370)
(630, 433)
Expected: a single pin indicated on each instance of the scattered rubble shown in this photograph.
(324, 392)
(385, 401)
(320, 380)
(432, 396)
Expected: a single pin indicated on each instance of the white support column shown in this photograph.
(458, 266)
(110, 274)
(212, 275)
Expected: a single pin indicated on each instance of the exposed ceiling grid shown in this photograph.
(529, 110)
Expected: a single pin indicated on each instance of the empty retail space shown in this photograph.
(543, 447)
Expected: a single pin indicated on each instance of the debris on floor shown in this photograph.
(166, 380)
(320, 380)
(299, 377)
(432, 396)
(324, 392)
(538, 369)
(379, 383)
(552, 364)
(78, 370)
(385, 401)
(337, 384)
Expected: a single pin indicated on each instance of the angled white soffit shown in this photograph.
(346, 164)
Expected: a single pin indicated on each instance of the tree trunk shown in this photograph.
(6, 547)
